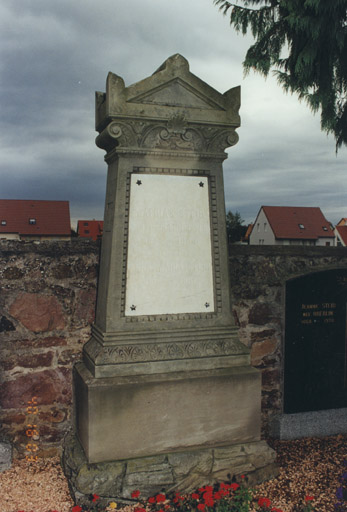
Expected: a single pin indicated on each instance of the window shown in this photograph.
(301, 226)
(265, 226)
(3, 222)
(85, 223)
(32, 221)
(86, 231)
(258, 226)
(325, 228)
(327, 244)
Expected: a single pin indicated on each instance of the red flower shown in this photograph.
(208, 498)
(195, 496)
(160, 498)
(152, 500)
(309, 498)
(77, 508)
(264, 502)
(243, 476)
(139, 509)
(95, 497)
(217, 495)
(234, 486)
(177, 497)
(201, 507)
(135, 494)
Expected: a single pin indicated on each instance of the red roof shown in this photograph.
(34, 217)
(90, 228)
(298, 222)
(342, 231)
(248, 232)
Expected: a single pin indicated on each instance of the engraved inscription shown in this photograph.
(169, 263)
(323, 312)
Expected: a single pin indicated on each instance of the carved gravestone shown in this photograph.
(165, 396)
(315, 374)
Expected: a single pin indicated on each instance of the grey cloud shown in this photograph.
(55, 55)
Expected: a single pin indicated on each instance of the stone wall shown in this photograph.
(47, 304)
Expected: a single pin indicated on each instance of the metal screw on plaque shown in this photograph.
(133, 308)
(207, 305)
(201, 184)
(139, 182)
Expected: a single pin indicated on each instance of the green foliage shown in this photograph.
(235, 229)
(313, 34)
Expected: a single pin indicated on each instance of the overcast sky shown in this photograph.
(56, 54)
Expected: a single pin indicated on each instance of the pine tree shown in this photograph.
(313, 34)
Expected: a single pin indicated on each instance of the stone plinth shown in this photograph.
(310, 424)
(127, 417)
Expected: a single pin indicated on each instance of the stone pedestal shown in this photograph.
(164, 372)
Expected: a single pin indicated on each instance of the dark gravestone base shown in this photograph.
(310, 424)
(183, 471)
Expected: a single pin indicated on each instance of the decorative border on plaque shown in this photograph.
(214, 243)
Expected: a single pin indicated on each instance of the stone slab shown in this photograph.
(5, 456)
(169, 246)
(169, 413)
(310, 424)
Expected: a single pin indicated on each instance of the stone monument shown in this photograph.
(165, 397)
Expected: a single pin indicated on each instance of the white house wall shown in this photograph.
(262, 233)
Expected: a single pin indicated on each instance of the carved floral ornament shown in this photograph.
(169, 351)
(175, 134)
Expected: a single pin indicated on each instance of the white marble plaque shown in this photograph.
(169, 265)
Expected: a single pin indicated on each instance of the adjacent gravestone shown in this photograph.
(315, 362)
(165, 396)
(315, 348)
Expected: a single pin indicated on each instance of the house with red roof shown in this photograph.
(91, 229)
(291, 225)
(34, 220)
(341, 234)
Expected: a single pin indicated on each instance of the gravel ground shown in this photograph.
(310, 466)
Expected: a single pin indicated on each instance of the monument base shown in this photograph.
(144, 415)
(183, 471)
(329, 422)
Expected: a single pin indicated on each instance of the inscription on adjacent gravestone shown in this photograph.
(315, 342)
(169, 264)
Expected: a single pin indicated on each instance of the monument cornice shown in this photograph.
(174, 134)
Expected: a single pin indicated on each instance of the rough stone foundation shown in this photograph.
(184, 471)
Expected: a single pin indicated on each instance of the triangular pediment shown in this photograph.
(176, 93)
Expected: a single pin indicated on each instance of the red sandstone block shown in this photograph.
(38, 313)
(49, 386)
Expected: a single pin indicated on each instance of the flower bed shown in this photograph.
(309, 468)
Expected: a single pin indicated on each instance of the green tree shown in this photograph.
(235, 228)
(313, 35)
